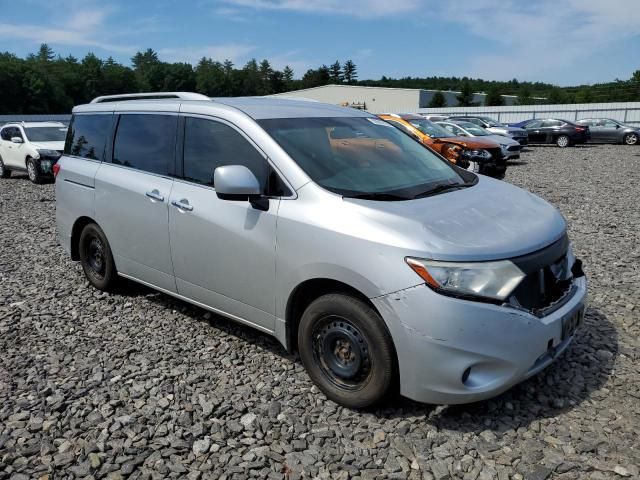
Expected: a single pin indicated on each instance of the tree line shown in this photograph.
(44, 82)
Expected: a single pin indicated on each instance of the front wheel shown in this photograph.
(474, 167)
(96, 258)
(32, 171)
(631, 139)
(563, 141)
(347, 350)
(4, 172)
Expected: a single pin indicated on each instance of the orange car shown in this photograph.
(476, 154)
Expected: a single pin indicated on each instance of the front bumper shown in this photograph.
(453, 351)
(45, 165)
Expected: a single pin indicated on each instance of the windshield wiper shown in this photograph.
(377, 196)
(443, 187)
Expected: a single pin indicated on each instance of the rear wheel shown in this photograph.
(563, 141)
(4, 172)
(631, 139)
(32, 171)
(347, 350)
(96, 258)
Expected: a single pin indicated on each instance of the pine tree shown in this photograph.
(494, 99)
(465, 98)
(335, 72)
(438, 100)
(349, 72)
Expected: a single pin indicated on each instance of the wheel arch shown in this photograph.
(308, 291)
(76, 231)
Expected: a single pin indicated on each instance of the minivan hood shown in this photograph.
(489, 221)
(49, 145)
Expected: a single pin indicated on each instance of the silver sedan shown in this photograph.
(510, 147)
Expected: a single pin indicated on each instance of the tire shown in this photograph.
(631, 139)
(563, 141)
(32, 171)
(347, 350)
(96, 258)
(4, 171)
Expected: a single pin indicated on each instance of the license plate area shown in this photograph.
(571, 321)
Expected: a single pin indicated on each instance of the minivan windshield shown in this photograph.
(46, 134)
(363, 157)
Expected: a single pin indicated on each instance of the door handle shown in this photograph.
(182, 205)
(155, 195)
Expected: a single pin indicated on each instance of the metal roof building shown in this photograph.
(382, 99)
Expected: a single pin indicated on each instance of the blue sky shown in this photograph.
(565, 42)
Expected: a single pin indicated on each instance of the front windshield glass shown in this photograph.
(359, 156)
(429, 128)
(46, 134)
(474, 129)
(491, 122)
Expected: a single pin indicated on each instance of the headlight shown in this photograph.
(476, 153)
(496, 280)
(46, 153)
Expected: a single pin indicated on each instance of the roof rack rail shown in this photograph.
(150, 96)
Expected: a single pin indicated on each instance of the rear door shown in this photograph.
(610, 131)
(223, 250)
(534, 130)
(132, 196)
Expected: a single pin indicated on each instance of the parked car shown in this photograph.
(435, 118)
(510, 147)
(561, 132)
(520, 124)
(474, 154)
(606, 130)
(32, 147)
(381, 266)
(494, 126)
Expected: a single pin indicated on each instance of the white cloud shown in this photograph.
(237, 53)
(355, 8)
(86, 27)
(542, 38)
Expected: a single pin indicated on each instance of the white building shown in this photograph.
(382, 99)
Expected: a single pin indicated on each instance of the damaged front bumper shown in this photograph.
(453, 351)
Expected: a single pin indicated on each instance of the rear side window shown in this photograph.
(9, 132)
(209, 144)
(87, 136)
(146, 142)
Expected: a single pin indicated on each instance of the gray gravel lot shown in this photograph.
(140, 385)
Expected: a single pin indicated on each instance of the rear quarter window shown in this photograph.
(87, 136)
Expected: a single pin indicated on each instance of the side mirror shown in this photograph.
(16, 140)
(238, 183)
(617, 126)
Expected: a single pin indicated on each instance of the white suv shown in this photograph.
(33, 147)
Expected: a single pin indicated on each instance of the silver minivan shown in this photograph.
(380, 262)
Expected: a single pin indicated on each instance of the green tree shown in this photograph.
(349, 72)
(45, 53)
(494, 99)
(265, 78)
(438, 100)
(584, 95)
(524, 96)
(147, 69)
(210, 78)
(287, 77)
(335, 73)
(316, 78)
(636, 76)
(465, 97)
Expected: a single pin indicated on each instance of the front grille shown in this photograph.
(549, 277)
(496, 154)
(513, 148)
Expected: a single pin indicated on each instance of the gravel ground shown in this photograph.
(140, 385)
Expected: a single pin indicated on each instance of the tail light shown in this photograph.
(56, 169)
(580, 129)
